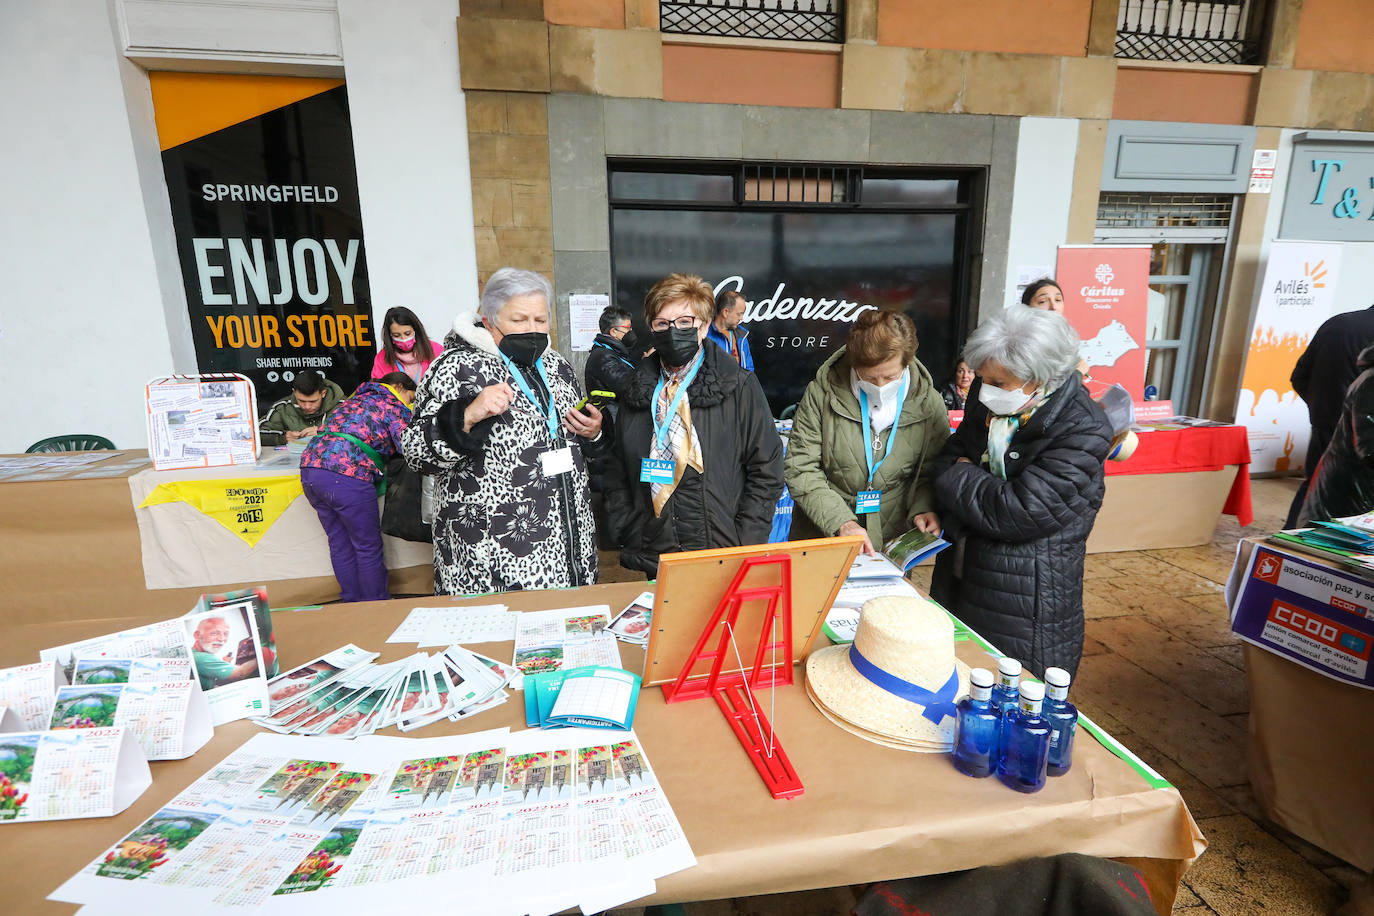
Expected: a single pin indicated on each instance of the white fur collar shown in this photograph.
(470, 328)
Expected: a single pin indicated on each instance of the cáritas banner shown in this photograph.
(264, 200)
(1105, 289)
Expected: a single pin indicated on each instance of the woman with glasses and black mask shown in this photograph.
(697, 462)
(496, 420)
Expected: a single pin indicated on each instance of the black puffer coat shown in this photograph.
(728, 506)
(1343, 483)
(1015, 572)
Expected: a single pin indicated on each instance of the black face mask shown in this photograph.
(676, 346)
(524, 349)
(630, 341)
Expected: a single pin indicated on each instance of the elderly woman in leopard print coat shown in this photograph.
(494, 421)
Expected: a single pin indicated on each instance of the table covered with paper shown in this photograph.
(867, 813)
(58, 505)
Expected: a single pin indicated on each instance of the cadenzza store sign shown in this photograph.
(264, 199)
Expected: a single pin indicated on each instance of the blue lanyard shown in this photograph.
(661, 430)
(615, 354)
(551, 418)
(868, 431)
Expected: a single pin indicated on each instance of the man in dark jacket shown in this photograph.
(1018, 487)
(697, 461)
(1342, 483)
(300, 414)
(1321, 377)
(610, 366)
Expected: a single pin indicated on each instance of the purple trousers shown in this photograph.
(348, 512)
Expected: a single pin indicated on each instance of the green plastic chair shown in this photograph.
(73, 442)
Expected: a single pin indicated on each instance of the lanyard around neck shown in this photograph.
(661, 429)
(613, 352)
(551, 416)
(868, 431)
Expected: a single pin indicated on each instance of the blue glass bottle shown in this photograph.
(1063, 718)
(1008, 682)
(975, 733)
(1025, 750)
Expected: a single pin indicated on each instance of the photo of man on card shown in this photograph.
(222, 647)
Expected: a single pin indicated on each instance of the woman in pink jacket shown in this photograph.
(405, 346)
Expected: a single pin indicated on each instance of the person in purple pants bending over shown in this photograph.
(341, 473)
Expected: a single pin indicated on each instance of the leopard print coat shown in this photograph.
(500, 524)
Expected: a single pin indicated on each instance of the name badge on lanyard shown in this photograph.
(558, 461)
(868, 501)
(655, 471)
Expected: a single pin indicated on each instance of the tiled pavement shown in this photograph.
(1163, 673)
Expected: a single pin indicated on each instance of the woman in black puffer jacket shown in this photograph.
(1018, 487)
(716, 443)
(1343, 481)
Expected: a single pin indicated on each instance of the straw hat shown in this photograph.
(907, 642)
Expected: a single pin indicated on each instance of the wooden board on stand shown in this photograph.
(690, 587)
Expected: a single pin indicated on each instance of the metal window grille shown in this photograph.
(1196, 31)
(791, 20)
(1129, 210)
(798, 184)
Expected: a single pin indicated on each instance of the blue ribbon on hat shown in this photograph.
(937, 703)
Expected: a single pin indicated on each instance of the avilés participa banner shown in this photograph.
(1297, 295)
(269, 231)
(1106, 291)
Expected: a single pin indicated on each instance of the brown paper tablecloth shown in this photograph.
(868, 813)
(70, 549)
(1311, 743)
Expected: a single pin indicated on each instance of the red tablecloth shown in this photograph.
(1202, 448)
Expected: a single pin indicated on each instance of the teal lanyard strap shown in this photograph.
(868, 431)
(551, 417)
(661, 430)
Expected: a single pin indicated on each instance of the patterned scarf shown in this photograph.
(1001, 429)
(682, 446)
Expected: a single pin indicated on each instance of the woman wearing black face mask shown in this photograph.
(697, 461)
(495, 422)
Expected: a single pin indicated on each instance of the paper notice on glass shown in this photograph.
(57, 775)
(584, 314)
(226, 653)
(169, 719)
(28, 690)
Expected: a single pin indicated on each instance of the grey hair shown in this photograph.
(509, 282)
(1031, 344)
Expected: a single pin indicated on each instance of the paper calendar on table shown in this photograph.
(28, 691)
(57, 775)
(130, 670)
(170, 720)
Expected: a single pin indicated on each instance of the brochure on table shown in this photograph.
(169, 720)
(595, 696)
(632, 624)
(72, 773)
(565, 638)
(1312, 615)
(201, 421)
(489, 822)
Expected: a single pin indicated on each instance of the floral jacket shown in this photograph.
(372, 414)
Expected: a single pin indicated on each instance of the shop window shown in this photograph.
(811, 246)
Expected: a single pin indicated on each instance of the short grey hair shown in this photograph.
(509, 282)
(1032, 344)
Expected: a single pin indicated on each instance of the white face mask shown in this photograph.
(1001, 402)
(879, 395)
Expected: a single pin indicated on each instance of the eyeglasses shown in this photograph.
(622, 329)
(685, 323)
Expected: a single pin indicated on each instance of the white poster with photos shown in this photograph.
(201, 421)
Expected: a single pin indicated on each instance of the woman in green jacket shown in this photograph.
(868, 425)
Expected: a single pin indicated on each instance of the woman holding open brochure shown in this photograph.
(864, 437)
